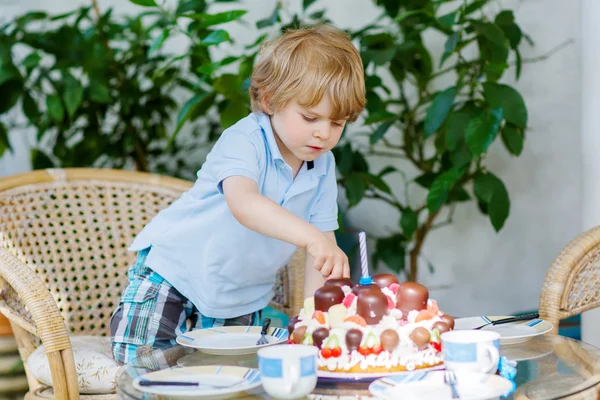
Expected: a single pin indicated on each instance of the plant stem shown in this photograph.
(420, 236)
(96, 8)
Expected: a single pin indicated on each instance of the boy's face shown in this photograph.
(304, 134)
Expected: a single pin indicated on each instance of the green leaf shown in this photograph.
(491, 192)
(30, 108)
(233, 112)
(449, 47)
(31, 61)
(491, 31)
(9, 94)
(447, 21)
(158, 42)
(482, 130)
(426, 180)
(391, 251)
(55, 108)
(513, 139)
(380, 116)
(190, 5)
(271, 20)
(380, 132)
(9, 72)
(438, 110)
(317, 14)
(461, 157)
(455, 128)
(306, 4)
(39, 160)
(355, 188)
(519, 64)
(387, 170)
(378, 183)
(507, 98)
(144, 3)
(186, 112)
(216, 37)
(216, 19)
(99, 93)
(506, 21)
(228, 85)
(441, 187)
(343, 158)
(72, 95)
(409, 222)
(4, 144)
(457, 195)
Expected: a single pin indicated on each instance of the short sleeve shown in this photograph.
(324, 214)
(235, 154)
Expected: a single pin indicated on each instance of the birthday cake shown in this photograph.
(378, 326)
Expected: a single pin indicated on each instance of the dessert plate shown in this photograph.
(367, 376)
(430, 385)
(515, 332)
(231, 340)
(214, 381)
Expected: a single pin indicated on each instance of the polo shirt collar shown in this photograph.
(317, 167)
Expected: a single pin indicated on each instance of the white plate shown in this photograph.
(230, 340)
(232, 380)
(430, 385)
(516, 332)
(367, 376)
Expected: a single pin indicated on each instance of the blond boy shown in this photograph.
(267, 187)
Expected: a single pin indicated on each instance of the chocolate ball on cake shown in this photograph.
(384, 280)
(411, 296)
(356, 289)
(420, 336)
(441, 326)
(353, 339)
(372, 305)
(298, 334)
(319, 335)
(389, 339)
(327, 296)
(448, 319)
(339, 282)
(291, 323)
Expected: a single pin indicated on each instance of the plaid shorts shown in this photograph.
(152, 313)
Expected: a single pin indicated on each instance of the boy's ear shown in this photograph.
(265, 106)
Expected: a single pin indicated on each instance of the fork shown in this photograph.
(450, 379)
(263, 332)
(511, 319)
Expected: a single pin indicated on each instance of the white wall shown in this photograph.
(486, 273)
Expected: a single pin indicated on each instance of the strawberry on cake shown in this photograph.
(384, 326)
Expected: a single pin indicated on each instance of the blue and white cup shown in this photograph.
(288, 371)
(472, 351)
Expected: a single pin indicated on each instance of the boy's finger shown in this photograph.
(327, 268)
(346, 273)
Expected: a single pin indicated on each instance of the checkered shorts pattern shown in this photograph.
(152, 313)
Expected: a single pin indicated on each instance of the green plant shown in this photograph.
(100, 91)
(442, 134)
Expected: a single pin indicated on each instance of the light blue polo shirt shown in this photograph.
(223, 268)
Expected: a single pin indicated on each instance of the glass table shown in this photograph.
(548, 367)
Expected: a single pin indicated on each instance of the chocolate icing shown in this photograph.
(339, 282)
(372, 305)
(384, 280)
(353, 338)
(319, 335)
(327, 296)
(411, 296)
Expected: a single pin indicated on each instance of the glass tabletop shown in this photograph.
(548, 367)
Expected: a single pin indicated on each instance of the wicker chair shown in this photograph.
(572, 284)
(63, 258)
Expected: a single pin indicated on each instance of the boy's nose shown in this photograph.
(322, 133)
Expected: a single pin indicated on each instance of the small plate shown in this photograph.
(516, 332)
(231, 340)
(329, 376)
(233, 380)
(430, 385)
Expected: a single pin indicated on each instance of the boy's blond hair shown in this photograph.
(305, 63)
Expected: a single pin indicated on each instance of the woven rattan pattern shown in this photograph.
(586, 285)
(75, 236)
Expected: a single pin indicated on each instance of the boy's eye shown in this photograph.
(309, 119)
(340, 124)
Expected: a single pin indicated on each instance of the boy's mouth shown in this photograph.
(315, 148)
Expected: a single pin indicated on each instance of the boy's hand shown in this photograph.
(328, 258)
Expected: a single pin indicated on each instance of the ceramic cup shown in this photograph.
(473, 351)
(288, 371)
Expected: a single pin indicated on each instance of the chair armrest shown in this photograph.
(35, 296)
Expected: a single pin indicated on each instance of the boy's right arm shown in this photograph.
(262, 215)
